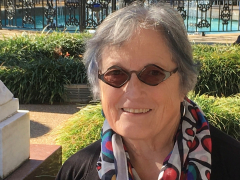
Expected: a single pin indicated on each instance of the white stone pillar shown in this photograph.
(14, 133)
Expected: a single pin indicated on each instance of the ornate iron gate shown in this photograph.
(209, 15)
(95, 11)
(198, 15)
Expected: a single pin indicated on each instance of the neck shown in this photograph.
(161, 142)
(147, 155)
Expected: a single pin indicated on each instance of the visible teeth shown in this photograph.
(137, 111)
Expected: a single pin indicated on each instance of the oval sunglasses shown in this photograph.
(151, 75)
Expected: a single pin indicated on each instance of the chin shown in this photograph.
(131, 131)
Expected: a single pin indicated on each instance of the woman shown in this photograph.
(140, 65)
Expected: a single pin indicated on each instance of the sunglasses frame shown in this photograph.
(138, 73)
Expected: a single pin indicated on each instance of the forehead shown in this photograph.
(145, 47)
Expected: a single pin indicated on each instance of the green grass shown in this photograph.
(223, 113)
(84, 127)
(220, 69)
(80, 130)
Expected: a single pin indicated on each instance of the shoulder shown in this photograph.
(225, 156)
(81, 165)
(223, 141)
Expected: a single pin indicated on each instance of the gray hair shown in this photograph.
(121, 25)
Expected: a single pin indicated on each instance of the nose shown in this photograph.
(131, 74)
(134, 86)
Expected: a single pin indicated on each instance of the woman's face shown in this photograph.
(137, 110)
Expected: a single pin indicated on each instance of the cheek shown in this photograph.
(108, 94)
(110, 101)
(170, 96)
(173, 89)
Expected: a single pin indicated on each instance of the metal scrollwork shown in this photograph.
(28, 4)
(204, 7)
(91, 23)
(203, 23)
(182, 12)
(98, 10)
(10, 9)
(27, 19)
(88, 14)
(50, 13)
(72, 6)
(93, 19)
(72, 21)
(225, 14)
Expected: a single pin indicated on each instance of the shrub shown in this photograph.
(42, 81)
(223, 113)
(220, 69)
(35, 67)
(84, 127)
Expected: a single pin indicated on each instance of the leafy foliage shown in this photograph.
(220, 70)
(35, 67)
(223, 113)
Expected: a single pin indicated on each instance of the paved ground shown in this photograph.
(44, 118)
(228, 38)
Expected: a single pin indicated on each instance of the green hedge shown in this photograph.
(220, 69)
(223, 113)
(35, 67)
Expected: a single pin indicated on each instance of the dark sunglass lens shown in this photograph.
(152, 75)
(115, 77)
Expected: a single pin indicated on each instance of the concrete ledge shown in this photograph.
(8, 108)
(5, 94)
(44, 163)
(14, 142)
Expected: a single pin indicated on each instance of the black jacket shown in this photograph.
(225, 160)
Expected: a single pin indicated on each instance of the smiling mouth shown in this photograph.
(136, 111)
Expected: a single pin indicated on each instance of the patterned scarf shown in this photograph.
(190, 158)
